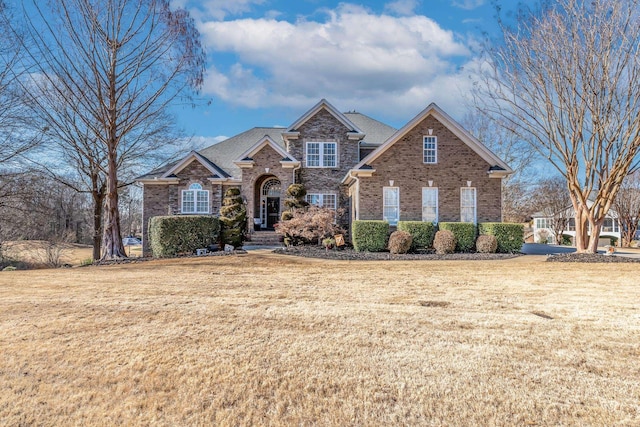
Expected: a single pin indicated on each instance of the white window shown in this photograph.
(542, 223)
(391, 205)
(430, 204)
(468, 204)
(322, 154)
(195, 200)
(430, 149)
(322, 200)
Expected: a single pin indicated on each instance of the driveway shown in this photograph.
(538, 249)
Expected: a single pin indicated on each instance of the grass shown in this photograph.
(274, 340)
(38, 253)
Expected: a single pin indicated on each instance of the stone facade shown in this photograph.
(456, 164)
(252, 178)
(325, 127)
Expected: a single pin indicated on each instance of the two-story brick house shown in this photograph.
(430, 170)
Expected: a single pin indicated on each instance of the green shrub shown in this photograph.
(510, 237)
(567, 240)
(400, 242)
(464, 232)
(486, 244)
(233, 218)
(370, 236)
(421, 232)
(173, 235)
(295, 197)
(444, 242)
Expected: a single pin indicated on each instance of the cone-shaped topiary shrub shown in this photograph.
(444, 242)
(233, 218)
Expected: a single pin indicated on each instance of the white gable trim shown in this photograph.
(453, 126)
(266, 140)
(353, 130)
(215, 171)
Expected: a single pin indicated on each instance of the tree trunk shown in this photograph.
(582, 229)
(112, 239)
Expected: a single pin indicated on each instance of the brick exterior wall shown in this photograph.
(324, 127)
(252, 179)
(457, 164)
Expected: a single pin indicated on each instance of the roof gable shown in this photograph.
(496, 164)
(324, 104)
(216, 172)
(262, 143)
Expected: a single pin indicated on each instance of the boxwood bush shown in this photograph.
(370, 236)
(510, 237)
(174, 235)
(421, 232)
(464, 232)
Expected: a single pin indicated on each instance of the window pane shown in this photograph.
(329, 201)
(329, 154)
(313, 154)
(467, 204)
(391, 205)
(202, 202)
(430, 149)
(188, 205)
(430, 204)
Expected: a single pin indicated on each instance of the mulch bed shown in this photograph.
(348, 254)
(590, 258)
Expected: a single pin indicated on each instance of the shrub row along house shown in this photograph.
(429, 170)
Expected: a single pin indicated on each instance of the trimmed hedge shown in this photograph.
(173, 235)
(369, 236)
(464, 232)
(510, 237)
(421, 232)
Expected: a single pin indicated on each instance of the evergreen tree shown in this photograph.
(233, 218)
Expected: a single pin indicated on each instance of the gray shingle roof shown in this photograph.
(224, 153)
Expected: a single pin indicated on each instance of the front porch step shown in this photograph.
(265, 238)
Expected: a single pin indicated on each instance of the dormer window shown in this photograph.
(322, 154)
(430, 149)
(195, 200)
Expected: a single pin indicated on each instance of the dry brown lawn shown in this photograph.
(274, 340)
(36, 252)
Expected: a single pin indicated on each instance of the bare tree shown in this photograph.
(551, 197)
(627, 206)
(15, 139)
(516, 191)
(565, 79)
(116, 65)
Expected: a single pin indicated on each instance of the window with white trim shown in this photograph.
(430, 149)
(543, 223)
(430, 204)
(322, 200)
(391, 205)
(322, 154)
(468, 204)
(195, 200)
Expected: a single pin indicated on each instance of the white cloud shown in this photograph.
(402, 7)
(354, 58)
(216, 9)
(468, 4)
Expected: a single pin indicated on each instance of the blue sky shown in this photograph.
(271, 60)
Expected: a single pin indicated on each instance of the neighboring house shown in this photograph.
(543, 231)
(430, 170)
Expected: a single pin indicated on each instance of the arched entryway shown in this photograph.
(269, 191)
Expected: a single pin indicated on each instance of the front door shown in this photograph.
(273, 211)
(270, 203)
